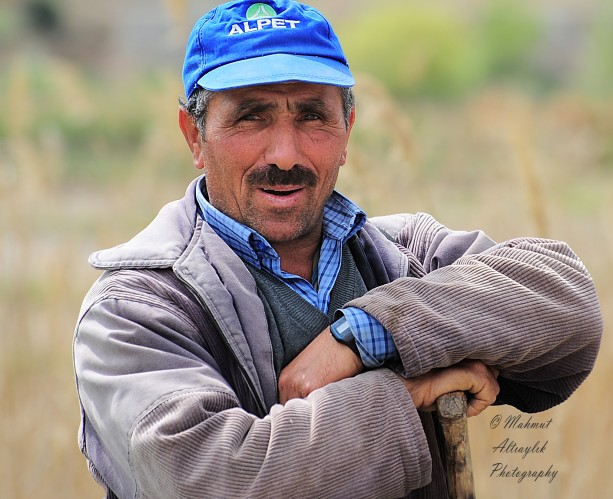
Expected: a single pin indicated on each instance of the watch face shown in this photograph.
(342, 333)
(341, 330)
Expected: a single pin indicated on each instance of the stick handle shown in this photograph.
(451, 409)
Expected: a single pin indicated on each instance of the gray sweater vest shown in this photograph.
(292, 321)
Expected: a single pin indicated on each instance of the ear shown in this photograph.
(192, 137)
(350, 123)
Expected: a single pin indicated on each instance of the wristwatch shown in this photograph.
(341, 332)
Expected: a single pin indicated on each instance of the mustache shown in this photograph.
(272, 175)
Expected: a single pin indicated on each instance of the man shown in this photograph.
(261, 338)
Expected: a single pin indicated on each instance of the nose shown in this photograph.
(283, 147)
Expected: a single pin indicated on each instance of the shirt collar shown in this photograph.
(342, 219)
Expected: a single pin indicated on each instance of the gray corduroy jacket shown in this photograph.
(176, 380)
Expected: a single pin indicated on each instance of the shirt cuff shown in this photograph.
(374, 342)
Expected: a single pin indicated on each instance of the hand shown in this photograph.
(470, 376)
(323, 361)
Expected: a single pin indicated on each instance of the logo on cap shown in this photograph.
(260, 11)
(261, 16)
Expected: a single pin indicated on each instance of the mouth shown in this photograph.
(282, 197)
(281, 191)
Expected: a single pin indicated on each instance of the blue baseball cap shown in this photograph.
(244, 43)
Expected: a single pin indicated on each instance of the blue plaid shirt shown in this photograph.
(342, 219)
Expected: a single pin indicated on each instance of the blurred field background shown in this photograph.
(487, 114)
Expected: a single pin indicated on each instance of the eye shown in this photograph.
(314, 112)
(311, 117)
(249, 117)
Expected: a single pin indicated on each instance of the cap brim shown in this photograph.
(277, 68)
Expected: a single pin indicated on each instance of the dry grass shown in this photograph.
(498, 162)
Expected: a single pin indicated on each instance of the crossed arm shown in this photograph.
(326, 360)
(523, 315)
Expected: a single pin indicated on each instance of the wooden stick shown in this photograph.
(451, 409)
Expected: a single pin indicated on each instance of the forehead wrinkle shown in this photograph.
(258, 105)
(255, 105)
(311, 104)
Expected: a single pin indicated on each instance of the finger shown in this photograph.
(285, 394)
(290, 386)
(476, 406)
(484, 397)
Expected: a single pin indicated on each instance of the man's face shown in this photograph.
(271, 156)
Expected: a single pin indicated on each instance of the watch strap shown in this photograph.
(341, 332)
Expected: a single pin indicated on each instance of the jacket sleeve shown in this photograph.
(159, 420)
(526, 306)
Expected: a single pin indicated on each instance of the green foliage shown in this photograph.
(102, 124)
(10, 23)
(598, 64)
(507, 35)
(420, 49)
(415, 49)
